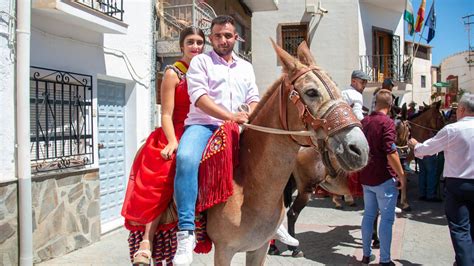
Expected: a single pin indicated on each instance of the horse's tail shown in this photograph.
(288, 192)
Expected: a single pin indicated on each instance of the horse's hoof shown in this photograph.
(273, 250)
(406, 209)
(297, 253)
(338, 207)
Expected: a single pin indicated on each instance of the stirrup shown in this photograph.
(142, 256)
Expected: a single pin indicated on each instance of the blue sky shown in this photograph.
(451, 34)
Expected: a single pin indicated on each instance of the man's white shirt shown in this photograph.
(355, 100)
(457, 142)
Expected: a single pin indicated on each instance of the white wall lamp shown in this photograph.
(314, 7)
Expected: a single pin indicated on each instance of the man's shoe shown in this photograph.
(285, 238)
(367, 260)
(184, 251)
(390, 263)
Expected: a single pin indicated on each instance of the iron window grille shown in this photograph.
(292, 35)
(61, 125)
(111, 8)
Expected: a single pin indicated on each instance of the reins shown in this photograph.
(277, 131)
(418, 125)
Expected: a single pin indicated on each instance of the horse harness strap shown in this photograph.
(325, 158)
(339, 115)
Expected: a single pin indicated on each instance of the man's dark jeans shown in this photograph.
(460, 215)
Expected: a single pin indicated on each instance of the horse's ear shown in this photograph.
(288, 61)
(425, 105)
(304, 55)
(437, 104)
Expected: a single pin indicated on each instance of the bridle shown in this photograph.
(337, 116)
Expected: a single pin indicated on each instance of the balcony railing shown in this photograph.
(178, 14)
(111, 8)
(379, 67)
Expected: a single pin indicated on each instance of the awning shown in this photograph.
(442, 84)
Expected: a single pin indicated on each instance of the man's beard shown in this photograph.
(223, 51)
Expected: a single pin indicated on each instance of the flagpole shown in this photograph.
(414, 53)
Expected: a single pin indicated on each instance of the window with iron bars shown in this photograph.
(61, 127)
(292, 35)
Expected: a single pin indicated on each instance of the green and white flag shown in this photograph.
(409, 17)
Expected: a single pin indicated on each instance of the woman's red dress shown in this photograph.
(151, 181)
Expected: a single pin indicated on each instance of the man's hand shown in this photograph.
(402, 182)
(240, 117)
(412, 143)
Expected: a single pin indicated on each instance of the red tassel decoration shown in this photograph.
(216, 172)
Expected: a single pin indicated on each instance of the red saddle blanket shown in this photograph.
(216, 172)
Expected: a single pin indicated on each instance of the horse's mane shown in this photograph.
(265, 97)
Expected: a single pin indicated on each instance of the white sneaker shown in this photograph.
(283, 236)
(398, 210)
(184, 251)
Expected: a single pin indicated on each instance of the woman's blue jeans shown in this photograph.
(189, 154)
(384, 198)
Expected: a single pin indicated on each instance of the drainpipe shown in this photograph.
(25, 211)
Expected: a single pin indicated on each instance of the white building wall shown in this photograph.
(120, 58)
(374, 16)
(138, 46)
(456, 65)
(421, 67)
(7, 70)
(333, 39)
(336, 40)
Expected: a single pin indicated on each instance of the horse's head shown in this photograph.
(321, 108)
(429, 121)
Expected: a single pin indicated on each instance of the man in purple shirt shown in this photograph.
(379, 178)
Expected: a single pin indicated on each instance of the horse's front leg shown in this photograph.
(257, 257)
(403, 199)
(222, 255)
(300, 202)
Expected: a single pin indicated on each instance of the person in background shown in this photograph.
(387, 84)
(353, 96)
(411, 110)
(381, 178)
(456, 140)
(150, 187)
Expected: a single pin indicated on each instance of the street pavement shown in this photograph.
(327, 237)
